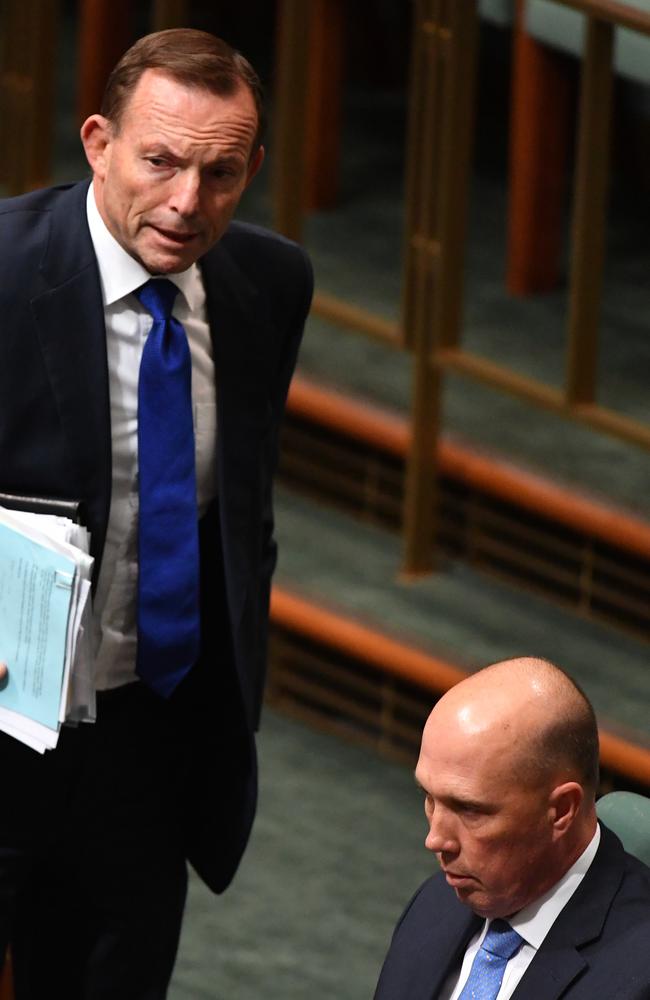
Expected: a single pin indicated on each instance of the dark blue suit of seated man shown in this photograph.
(535, 899)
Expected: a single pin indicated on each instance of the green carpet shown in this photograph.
(336, 852)
(460, 613)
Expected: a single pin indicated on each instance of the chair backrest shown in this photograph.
(628, 815)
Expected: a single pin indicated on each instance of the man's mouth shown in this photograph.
(174, 236)
(457, 879)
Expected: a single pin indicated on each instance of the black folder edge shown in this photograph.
(44, 505)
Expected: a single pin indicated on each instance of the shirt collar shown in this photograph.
(534, 921)
(119, 272)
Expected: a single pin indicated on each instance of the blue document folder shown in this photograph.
(35, 596)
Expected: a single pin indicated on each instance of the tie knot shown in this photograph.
(501, 939)
(158, 296)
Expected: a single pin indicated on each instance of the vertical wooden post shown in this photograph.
(457, 134)
(422, 165)
(169, 14)
(438, 162)
(425, 99)
(324, 89)
(290, 116)
(104, 36)
(27, 75)
(310, 39)
(540, 115)
(589, 218)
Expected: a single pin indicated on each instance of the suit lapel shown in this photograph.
(70, 323)
(241, 328)
(243, 338)
(558, 962)
(427, 948)
(553, 969)
(451, 941)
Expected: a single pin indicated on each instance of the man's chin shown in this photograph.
(158, 261)
(471, 895)
(489, 909)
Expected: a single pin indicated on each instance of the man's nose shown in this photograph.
(186, 194)
(441, 837)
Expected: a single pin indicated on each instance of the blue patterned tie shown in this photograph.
(168, 546)
(486, 975)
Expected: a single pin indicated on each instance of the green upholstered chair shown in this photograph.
(628, 815)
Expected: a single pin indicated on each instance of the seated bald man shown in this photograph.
(536, 899)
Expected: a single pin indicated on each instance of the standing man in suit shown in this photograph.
(146, 348)
(535, 900)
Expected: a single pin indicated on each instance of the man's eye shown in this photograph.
(156, 161)
(471, 814)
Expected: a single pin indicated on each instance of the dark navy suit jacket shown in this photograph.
(598, 947)
(55, 440)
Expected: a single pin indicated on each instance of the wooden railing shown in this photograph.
(432, 674)
(441, 100)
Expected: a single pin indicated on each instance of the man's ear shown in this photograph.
(256, 162)
(96, 136)
(564, 805)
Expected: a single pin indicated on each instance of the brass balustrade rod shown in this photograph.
(439, 146)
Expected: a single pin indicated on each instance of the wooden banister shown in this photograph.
(498, 478)
(368, 645)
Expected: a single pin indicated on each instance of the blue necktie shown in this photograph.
(168, 546)
(486, 975)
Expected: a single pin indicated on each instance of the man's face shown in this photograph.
(492, 835)
(169, 179)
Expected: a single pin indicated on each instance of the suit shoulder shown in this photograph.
(42, 200)
(636, 882)
(25, 229)
(426, 896)
(41, 226)
(250, 245)
(25, 223)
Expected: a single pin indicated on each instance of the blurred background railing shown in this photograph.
(425, 154)
(464, 472)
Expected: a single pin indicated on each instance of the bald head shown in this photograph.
(542, 719)
(508, 764)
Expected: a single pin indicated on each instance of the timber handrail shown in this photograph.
(390, 432)
(621, 15)
(399, 659)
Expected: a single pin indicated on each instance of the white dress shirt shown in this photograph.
(533, 924)
(127, 327)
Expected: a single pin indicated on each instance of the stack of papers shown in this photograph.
(45, 626)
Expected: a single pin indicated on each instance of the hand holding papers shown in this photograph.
(45, 575)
